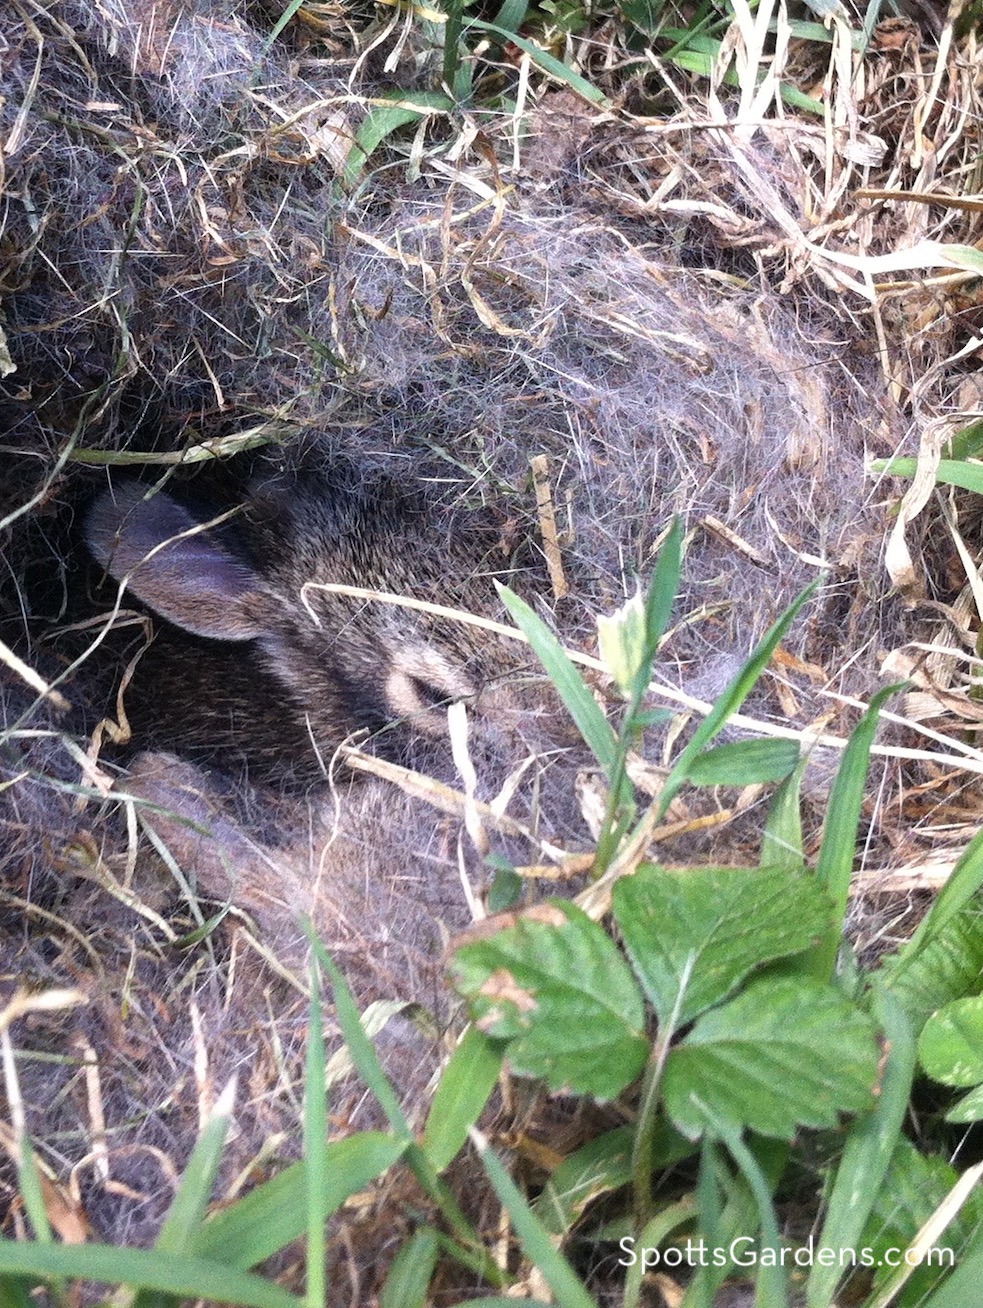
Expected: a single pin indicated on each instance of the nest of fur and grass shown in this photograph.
(195, 266)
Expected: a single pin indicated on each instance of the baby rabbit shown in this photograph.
(257, 667)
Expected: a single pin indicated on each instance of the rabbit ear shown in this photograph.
(189, 579)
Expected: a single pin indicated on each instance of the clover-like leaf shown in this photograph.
(555, 985)
(785, 1053)
(694, 935)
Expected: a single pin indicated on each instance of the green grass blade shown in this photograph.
(653, 1233)
(950, 472)
(366, 1060)
(732, 698)
(867, 1153)
(511, 15)
(465, 1086)
(408, 1282)
(275, 1213)
(533, 1236)
(838, 854)
(281, 23)
(962, 885)
(771, 1288)
(187, 1211)
(962, 1286)
(546, 62)
(316, 1151)
(663, 589)
(360, 1047)
(29, 1180)
(185, 1277)
(782, 845)
(15, 1293)
(384, 119)
(570, 685)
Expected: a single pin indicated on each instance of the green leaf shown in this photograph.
(511, 15)
(694, 935)
(961, 1287)
(913, 1189)
(505, 891)
(275, 1213)
(950, 1047)
(187, 1277)
(963, 884)
(967, 443)
(29, 1179)
(653, 1233)
(787, 1052)
(408, 1282)
(465, 1086)
(867, 1154)
(744, 763)
(359, 1045)
(782, 845)
(315, 1148)
(556, 986)
(15, 1292)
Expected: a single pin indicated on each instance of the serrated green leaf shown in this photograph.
(969, 1108)
(556, 986)
(913, 1189)
(744, 763)
(465, 1086)
(693, 936)
(947, 967)
(786, 1052)
(950, 1047)
(944, 963)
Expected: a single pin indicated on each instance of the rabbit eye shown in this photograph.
(429, 695)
